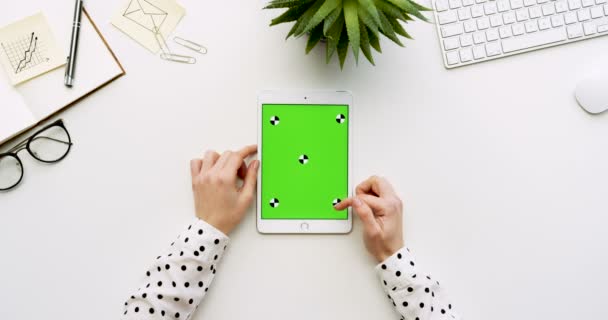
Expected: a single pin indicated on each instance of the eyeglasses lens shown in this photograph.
(51, 144)
(10, 172)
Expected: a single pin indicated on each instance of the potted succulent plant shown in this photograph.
(344, 23)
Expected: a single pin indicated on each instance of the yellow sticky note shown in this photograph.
(29, 49)
(145, 21)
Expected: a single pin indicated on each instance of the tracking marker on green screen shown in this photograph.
(305, 161)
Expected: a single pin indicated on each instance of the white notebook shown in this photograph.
(25, 105)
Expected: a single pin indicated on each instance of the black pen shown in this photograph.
(71, 67)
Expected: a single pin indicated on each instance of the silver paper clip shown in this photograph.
(190, 45)
(168, 55)
(177, 58)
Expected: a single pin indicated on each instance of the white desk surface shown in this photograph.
(503, 177)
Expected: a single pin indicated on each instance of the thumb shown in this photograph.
(365, 213)
(249, 183)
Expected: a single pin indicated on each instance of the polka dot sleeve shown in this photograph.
(416, 296)
(175, 284)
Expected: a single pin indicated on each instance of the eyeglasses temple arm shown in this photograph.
(56, 140)
(20, 146)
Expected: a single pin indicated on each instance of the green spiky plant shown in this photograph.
(343, 22)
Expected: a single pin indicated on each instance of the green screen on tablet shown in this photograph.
(304, 161)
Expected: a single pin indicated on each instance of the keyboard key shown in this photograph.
(447, 17)
(589, 28)
(522, 15)
(600, 1)
(490, 7)
(479, 37)
(601, 21)
(455, 4)
(518, 29)
(503, 5)
(452, 57)
(602, 28)
(557, 21)
(533, 40)
(508, 17)
(544, 24)
(477, 11)
(464, 13)
(480, 1)
(561, 6)
(535, 12)
(495, 20)
(531, 26)
(504, 32)
(597, 12)
(442, 5)
(516, 4)
(467, 3)
(570, 18)
(483, 23)
(479, 52)
(541, 1)
(466, 40)
(575, 31)
(548, 9)
(583, 14)
(492, 34)
(574, 4)
(466, 55)
(493, 48)
(606, 9)
(451, 43)
(451, 30)
(588, 3)
(470, 26)
(528, 3)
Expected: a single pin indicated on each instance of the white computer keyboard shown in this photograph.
(472, 31)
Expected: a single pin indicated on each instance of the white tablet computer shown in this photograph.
(304, 141)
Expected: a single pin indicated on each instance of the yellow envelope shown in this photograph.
(146, 14)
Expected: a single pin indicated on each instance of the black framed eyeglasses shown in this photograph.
(50, 144)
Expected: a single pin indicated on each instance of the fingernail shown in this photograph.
(357, 202)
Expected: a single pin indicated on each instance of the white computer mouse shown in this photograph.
(592, 94)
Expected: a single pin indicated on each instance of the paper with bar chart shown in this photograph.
(28, 49)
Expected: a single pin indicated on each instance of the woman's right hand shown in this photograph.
(381, 212)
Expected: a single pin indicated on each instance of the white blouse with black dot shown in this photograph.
(177, 282)
(414, 295)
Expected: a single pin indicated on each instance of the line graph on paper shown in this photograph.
(28, 49)
(25, 52)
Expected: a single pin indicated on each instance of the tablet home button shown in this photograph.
(304, 226)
